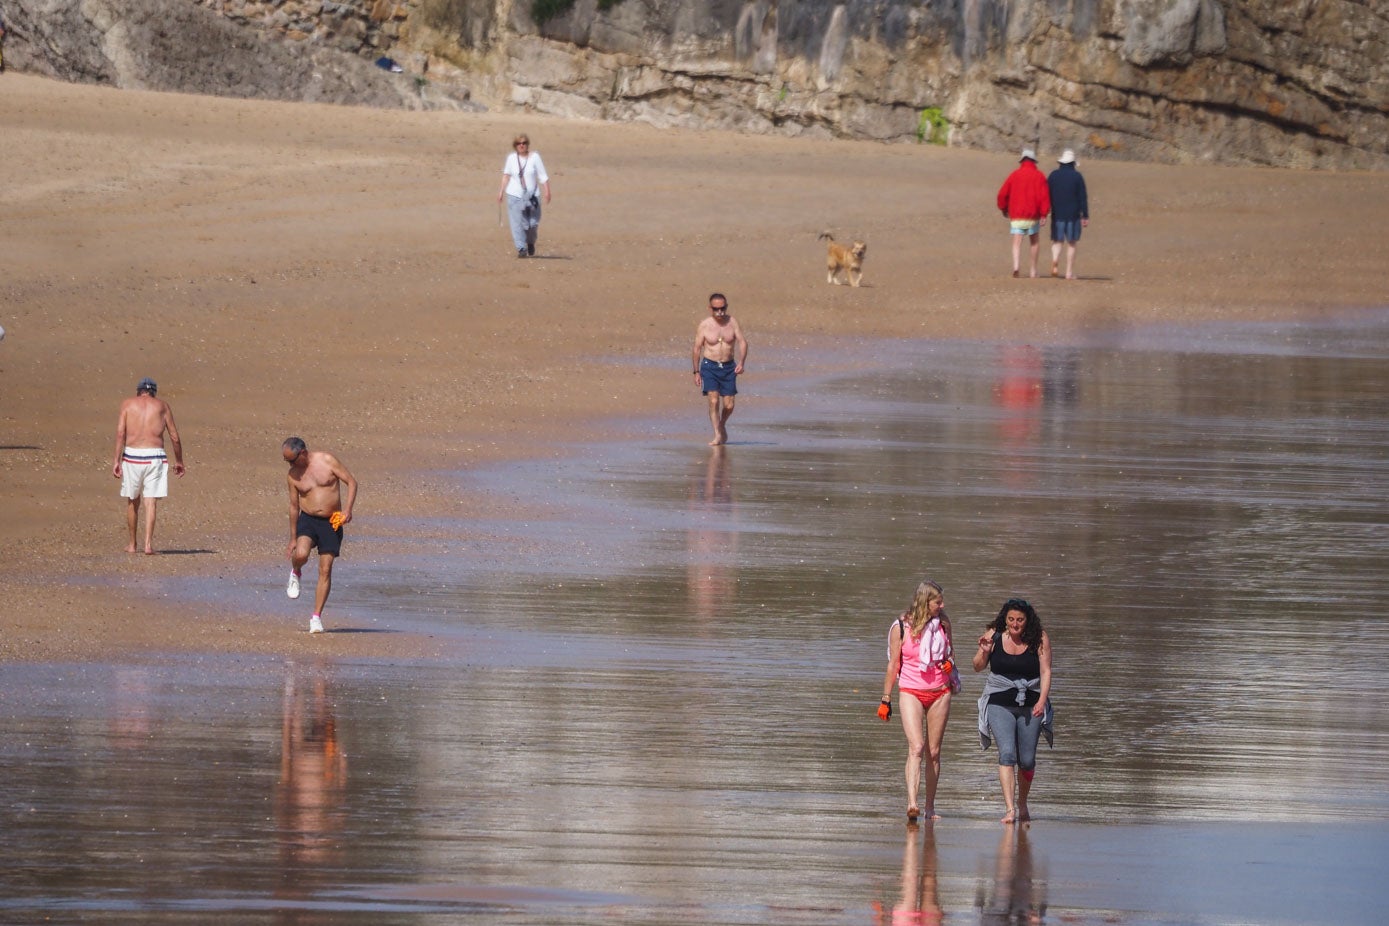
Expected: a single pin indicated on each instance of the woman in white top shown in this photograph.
(524, 181)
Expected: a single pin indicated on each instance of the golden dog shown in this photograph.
(842, 260)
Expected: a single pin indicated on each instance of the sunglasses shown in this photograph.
(719, 310)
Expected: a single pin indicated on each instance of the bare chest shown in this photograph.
(715, 334)
(313, 478)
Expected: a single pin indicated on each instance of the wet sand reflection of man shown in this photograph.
(709, 577)
(1018, 393)
(310, 795)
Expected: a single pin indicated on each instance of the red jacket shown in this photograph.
(1024, 195)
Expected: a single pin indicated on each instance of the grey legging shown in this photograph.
(1015, 731)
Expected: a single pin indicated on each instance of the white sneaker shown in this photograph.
(292, 589)
(315, 625)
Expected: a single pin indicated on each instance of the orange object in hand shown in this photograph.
(946, 665)
(885, 711)
(337, 519)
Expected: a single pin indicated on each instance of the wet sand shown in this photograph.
(252, 791)
(340, 274)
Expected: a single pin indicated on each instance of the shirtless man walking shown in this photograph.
(717, 338)
(317, 513)
(141, 463)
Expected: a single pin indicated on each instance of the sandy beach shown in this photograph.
(340, 274)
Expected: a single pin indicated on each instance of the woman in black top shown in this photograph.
(1014, 707)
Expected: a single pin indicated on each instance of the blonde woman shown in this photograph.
(920, 662)
(524, 181)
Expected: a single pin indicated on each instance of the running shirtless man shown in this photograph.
(717, 338)
(317, 513)
(141, 463)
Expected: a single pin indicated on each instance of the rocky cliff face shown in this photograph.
(179, 46)
(1287, 82)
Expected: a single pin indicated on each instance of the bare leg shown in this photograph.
(912, 714)
(150, 504)
(132, 512)
(1008, 778)
(936, 716)
(1034, 245)
(1070, 260)
(1017, 253)
(300, 555)
(715, 419)
(325, 582)
(1055, 258)
(1024, 786)
(728, 403)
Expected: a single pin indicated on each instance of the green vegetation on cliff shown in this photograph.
(933, 127)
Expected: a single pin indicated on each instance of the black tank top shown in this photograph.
(1026, 664)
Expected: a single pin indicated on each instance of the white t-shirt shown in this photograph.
(530, 169)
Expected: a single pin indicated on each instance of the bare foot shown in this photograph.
(1008, 817)
(1023, 815)
(1070, 276)
(1055, 270)
(130, 549)
(151, 553)
(718, 439)
(913, 813)
(931, 814)
(1015, 274)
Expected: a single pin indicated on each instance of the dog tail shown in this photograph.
(825, 234)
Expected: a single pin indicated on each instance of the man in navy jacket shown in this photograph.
(1070, 211)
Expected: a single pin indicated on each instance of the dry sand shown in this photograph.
(340, 274)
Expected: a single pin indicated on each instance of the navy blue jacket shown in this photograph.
(1068, 199)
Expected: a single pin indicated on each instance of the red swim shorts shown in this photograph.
(927, 698)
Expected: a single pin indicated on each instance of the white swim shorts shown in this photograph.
(144, 473)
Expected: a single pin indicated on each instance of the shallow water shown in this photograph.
(662, 710)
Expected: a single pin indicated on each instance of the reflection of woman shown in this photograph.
(919, 903)
(918, 659)
(1018, 896)
(523, 182)
(1014, 709)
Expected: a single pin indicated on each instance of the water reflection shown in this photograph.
(712, 538)
(1018, 393)
(310, 794)
(1187, 523)
(132, 697)
(1018, 893)
(919, 901)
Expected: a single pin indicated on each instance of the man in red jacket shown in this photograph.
(1025, 201)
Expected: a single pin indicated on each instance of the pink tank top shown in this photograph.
(920, 670)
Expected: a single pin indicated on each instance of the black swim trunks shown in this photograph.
(320, 531)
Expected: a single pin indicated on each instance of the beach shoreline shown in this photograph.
(338, 274)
